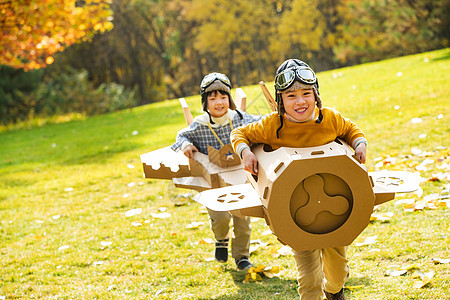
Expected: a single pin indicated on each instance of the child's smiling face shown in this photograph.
(218, 104)
(299, 104)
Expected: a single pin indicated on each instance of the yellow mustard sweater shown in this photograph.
(297, 135)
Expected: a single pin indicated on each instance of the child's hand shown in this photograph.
(189, 151)
(250, 161)
(360, 152)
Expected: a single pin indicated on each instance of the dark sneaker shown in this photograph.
(243, 263)
(221, 253)
(338, 296)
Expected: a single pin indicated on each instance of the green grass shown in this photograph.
(68, 184)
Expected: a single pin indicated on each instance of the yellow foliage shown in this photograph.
(51, 26)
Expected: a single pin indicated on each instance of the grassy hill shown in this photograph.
(66, 186)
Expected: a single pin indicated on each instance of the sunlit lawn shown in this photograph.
(65, 189)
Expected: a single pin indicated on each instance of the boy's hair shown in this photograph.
(295, 85)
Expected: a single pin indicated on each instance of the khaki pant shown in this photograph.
(240, 242)
(321, 269)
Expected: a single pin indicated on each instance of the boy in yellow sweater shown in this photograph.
(300, 121)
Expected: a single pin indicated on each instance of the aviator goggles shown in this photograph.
(210, 78)
(286, 78)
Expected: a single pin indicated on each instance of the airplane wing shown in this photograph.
(395, 181)
(229, 198)
(165, 163)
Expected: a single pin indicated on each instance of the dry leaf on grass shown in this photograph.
(133, 212)
(383, 217)
(105, 244)
(396, 273)
(353, 287)
(205, 241)
(195, 225)
(367, 241)
(254, 248)
(257, 273)
(181, 199)
(162, 215)
(440, 260)
(425, 279)
(284, 251)
(267, 232)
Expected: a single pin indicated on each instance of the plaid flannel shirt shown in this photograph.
(201, 136)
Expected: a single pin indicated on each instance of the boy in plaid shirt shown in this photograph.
(213, 128)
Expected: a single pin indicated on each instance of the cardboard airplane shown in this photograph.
(311, 198)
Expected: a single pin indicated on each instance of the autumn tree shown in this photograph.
(377, 29)
(232, 36)
(306, 29)
(164, 47)
(32, 31)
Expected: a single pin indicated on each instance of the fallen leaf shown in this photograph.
(440, 260)
(254, 248)
(425, 280)
(271, 272)
(367, 241)
(159, 292)
(254, 273)
(405, 202)
(195, 225)
(384, 217)
(410, 267)
(206, 241)
(267, 232)
(162, 215)
(416, 151)
(285, 251)
(396, 272)
(133, 212)
(417, 274)
(353, 287)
